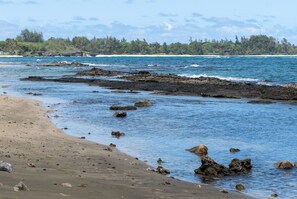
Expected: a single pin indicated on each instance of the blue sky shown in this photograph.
(154, 20)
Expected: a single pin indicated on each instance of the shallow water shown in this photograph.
(265, 133)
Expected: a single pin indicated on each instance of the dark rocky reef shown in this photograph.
(171, 84)
(100, 72)
(59, 64)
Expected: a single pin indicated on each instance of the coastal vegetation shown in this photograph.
(30, 43)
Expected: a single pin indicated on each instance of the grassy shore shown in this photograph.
(54, 165)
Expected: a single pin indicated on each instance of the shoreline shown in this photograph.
(30, 138)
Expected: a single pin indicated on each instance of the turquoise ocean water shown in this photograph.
(266, 133)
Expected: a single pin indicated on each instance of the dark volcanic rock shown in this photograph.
(234, 150)
(240, 187)
(123, 108)
(171, 84)
(99, 72)
(64, 64)
(240, 166)
(120, 114)
(117, 134)
(210, 168)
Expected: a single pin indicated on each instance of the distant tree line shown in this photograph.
(32, 43)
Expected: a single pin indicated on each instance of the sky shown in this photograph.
(153, 20)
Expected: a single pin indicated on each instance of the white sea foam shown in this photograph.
(233, 79)
(100, 65)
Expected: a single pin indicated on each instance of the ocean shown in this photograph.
(266, 133)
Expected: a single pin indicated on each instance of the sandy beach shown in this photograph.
(55, 165)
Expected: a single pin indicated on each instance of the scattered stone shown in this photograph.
(4, 166)
(224, 191)
(32, 165)
(143, 72)
(234, 150)
(112, 145)
(210, 168)
(117, 134)
(162, 170)
(120, 114)
(66, 184)
(83, 185)
(274, 195)
(160, 161)
(143, 103)
(83, 138)
(20, 187)
(200, 150)
(240, 166)
(284, 165)
(123, 108)
(108, 149)
(240, 187)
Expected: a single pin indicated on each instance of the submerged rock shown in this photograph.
(160, 161)
(64, 64)
(234, 150)
(274, 195)
(284, 165)
(117, 134)
(240, 166)
(4, 166)
(200, 150)
(210, 168)
(120, 114)
(143, 103)
(123, 108)
(99, 72)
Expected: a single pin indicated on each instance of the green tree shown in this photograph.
(30, 36)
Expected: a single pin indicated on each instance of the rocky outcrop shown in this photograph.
(143, 103)
(240, 187)
(100, 72)
(210, 168)
(117, 134)
(284, 165)
(200, 150)
(120, 114)
(240, 166)
(162, 170)
(123, 108)
(57, 64)
(171, 84)
(234, 150)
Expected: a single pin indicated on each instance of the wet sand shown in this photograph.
(28, 137)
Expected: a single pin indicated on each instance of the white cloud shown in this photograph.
(168, 26)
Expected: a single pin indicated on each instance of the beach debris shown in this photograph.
(112, 145)
(143, 103)
(120, 114)
(123, 108)
(66, 184)
(160, 161)
(240, 166)
(211, 168)
(117, 134)
(108, 149)
(30, 164)
(284, 165)
(274, 195)
(240, 187)
(161, 170)
(4, 166)
(20, 187)
(234, 150)
(200, 150)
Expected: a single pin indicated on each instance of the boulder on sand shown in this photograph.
(117, 134)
